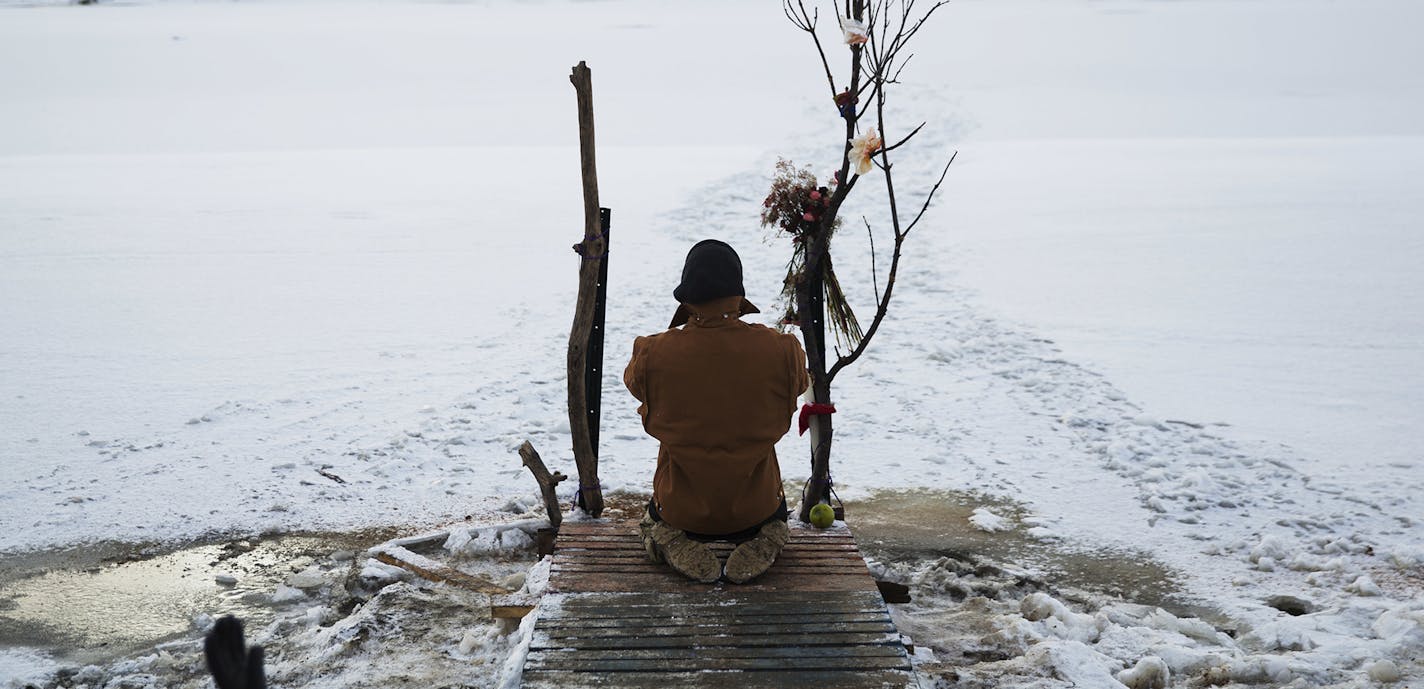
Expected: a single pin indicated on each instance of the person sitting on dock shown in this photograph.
(718, 394)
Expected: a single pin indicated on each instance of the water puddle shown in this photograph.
(87, 605)
(904, 526)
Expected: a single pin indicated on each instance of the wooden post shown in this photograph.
(592, 251)
(547, 481)
(811, 301)
(593, 367)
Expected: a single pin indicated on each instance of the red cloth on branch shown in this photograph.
(803, 421)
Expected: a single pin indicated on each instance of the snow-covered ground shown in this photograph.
(1168, 301)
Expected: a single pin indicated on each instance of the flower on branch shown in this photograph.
(863, 148)
(855, 32)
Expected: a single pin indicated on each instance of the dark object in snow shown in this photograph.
(892, 592)
(1291, 605)
(323, 471)
(544, 540)
(231, 663)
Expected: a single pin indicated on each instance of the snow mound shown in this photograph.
(1149, 673)
(985, 520)
(487, 540)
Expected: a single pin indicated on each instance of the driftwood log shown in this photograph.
(592, 251)
(547, 481)
(432, 571)
(504, 604)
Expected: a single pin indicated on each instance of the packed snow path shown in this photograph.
(612, 619)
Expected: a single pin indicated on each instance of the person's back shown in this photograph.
(718, 394)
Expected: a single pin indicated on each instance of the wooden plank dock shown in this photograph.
(613, 619)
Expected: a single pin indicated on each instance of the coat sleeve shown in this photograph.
(800, 377)
(635, 375)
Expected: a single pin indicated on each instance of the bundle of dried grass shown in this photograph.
(797, 206)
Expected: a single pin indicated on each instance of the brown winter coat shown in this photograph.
(718, 394)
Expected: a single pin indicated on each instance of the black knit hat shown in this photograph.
(712, 271)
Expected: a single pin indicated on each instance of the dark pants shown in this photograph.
(781, 514)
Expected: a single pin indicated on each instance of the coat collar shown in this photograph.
(713, 313)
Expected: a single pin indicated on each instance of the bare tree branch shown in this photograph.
(896, 79)
(930, 196)
(901, 142)
(874, 281)
(882, 307)
(807, 22)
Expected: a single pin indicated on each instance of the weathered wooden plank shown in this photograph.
(657, 567)
(665, 579)
(621, 664)
(619, 525)
(724, 547)
(880, 679)
(564, 551)
(626, 561)
(634, 536)
(643, 613)
(849, 565)
(740, 631)
(731, 598)
(783, 577)
(728, 619)
(641, 555)
(637, 557)
(576, 549)
(864, 651)
(570, 543)
(605, 550)
(676, 583)
(633, 550)
(603, 617)
(804, 568)
(542, 641)
(828, 608)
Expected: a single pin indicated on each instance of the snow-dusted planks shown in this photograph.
(608, 556)
(613, 619)
(724, 638)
